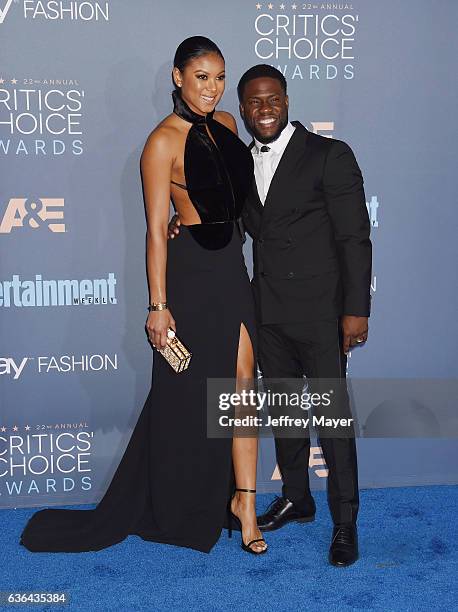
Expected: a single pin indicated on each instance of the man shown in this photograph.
(312, 272)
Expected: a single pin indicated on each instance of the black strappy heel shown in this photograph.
(232, 518)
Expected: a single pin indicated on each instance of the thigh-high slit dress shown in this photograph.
(173, 482)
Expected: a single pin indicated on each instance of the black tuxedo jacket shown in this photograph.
(311, 246)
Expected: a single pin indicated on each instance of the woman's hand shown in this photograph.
(173, 227)
(157, 324)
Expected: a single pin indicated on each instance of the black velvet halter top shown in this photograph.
(218, 177)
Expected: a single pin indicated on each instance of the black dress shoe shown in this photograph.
(282, 511)
(344, 545)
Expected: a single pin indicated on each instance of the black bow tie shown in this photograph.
(264, 149)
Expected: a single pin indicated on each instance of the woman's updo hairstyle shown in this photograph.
(191, 48)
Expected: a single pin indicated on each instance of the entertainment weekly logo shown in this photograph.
(41, 117)
(46, 461)
(41, 293)
(307, 40)
(63, 10)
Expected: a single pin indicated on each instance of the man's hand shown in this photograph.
(355, 331)
(174, 225)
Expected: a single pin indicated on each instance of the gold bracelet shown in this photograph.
(157, 306)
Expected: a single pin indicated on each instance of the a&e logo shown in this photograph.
(33, 213)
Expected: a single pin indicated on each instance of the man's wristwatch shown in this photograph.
(157, 306)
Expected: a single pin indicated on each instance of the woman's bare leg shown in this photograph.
(245, 452)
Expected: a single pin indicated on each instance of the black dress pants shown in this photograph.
(313, 349)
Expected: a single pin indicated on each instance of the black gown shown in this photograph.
(173, 482)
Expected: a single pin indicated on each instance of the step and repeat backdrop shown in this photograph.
(82, 84)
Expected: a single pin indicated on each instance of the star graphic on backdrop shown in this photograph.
(3, 428)
(15, 428)
(270, 6)
(259, 6)
(2, 81)
(282, 6)
(294, 7)
(27, 427)
(14, 81)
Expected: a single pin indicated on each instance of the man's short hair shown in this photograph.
(255, 72)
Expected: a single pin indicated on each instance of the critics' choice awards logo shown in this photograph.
(45, 462)
(34, 214)
(41, 117)
(307, 40)
(42, 292)
(14, 368)
(53, 11)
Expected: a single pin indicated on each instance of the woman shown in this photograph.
(174, 484)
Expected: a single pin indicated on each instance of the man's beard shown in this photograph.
(270, 139)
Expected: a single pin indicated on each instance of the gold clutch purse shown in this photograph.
(175, 352)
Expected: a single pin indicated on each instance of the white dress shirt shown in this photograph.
(265, 164)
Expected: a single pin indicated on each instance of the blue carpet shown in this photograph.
(408, 548)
